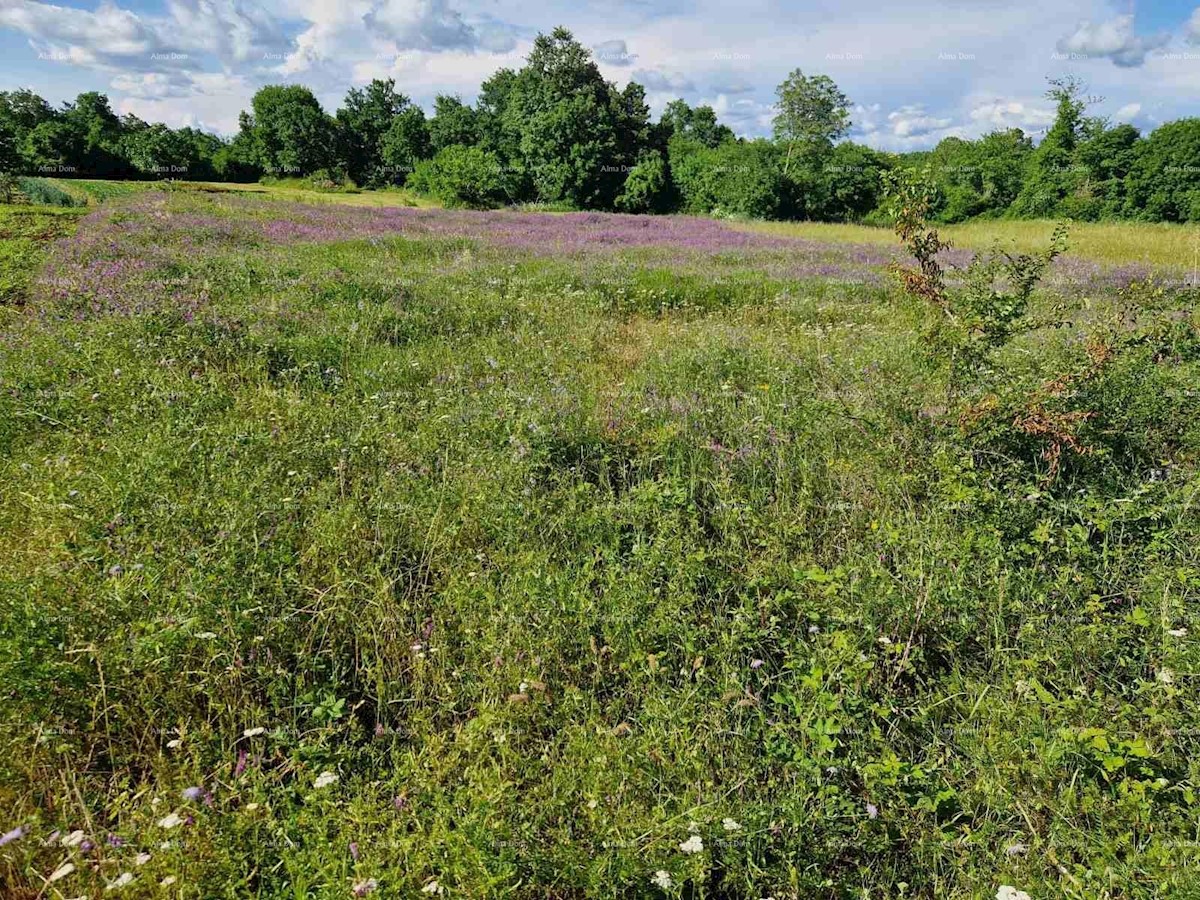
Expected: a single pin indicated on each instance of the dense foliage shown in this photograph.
(556, 132)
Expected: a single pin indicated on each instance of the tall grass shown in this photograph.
(419, 563)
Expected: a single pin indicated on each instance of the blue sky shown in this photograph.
(916, 70)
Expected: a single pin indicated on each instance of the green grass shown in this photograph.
(25, 232)
(556, 583)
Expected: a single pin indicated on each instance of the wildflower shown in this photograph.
(432, 888)
(121, 880)
(362, 888)
(14, 835)
(662, 879)
(174, 744)
(206, 635)
(1015, 849)
(694, 844)
(1166, 676)
(400, 801)
(116, 840)
(814, 629)
(872, 811)
(253, 732)
(730, 825)
(1008, 892)
(172, 820)
(240, 766)
(325, 779)
(756, 663)
(251, 807)
(592, 804)
(74, 839)
(61, 872)
(193, 793)
(354, 850)
(141, 859)
(1178, 632)
(168, 881)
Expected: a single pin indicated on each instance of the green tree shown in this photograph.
(812, 114)
(647, 187)
(290, 132)
(571, 124)
(362, 122)
(1053, 172)
(698, 124)
(406, 144)
(1163, 183)
(453, 122)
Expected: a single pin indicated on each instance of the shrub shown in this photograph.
(648, 186)
(461, 176)
(43, 192)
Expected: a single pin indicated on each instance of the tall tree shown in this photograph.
(569, 124)
(812, 114)
(291, 134)
(453, 123)
(363, 122)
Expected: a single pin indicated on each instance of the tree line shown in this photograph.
(556, 132)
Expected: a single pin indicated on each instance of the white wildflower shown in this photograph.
(74, 839)
(61, 872)
(121, 881)
(170, 821)
(730, 825)
(1008, 892)
(325, 779)
(141, 859)
(253, 732)
(168, 881)
(1178, 632)
(662, 879)
(1166, 676)
(694, 844)
(432, 888)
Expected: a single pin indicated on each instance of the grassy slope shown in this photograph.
(553, 578)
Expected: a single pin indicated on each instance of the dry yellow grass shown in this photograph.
(375, 199)
(1155, 244)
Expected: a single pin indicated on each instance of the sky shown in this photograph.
(916, 71)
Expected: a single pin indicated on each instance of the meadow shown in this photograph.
(391, 551)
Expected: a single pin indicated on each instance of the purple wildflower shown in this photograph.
(354, 850)
(15, 835)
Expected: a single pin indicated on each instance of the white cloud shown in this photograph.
(1193, 27)
(1128, 112)
(613, 53)
(665, 82)
(421, 25)
(913, 121)
(1114, 39)
(1001, 114)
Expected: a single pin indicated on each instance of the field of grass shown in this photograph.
(25, 234)
(1159, 244)
(400, 552)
